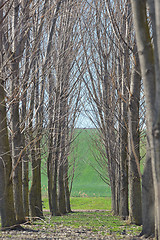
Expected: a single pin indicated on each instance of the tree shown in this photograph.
(6, 187)
(107, 46)
(149, 61)
(135, 212)
(63, 80)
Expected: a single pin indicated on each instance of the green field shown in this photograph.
(87, 181)
(86, 203)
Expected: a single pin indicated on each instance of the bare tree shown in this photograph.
(149, 61)
(135, 213)
(8, 218)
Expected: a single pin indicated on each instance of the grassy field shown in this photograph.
(84, 203)
(87, 181)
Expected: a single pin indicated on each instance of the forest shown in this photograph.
(64, 61)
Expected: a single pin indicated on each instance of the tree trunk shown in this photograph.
(146, 57)
(35, 199)
(155, 148)
(55, 155)
(6, 187)
(135, 212)
(25, 158)
(148, 221)
(16, 146)
(61, 191)
(25, 182)
(15, 122)
(50, 144)
(66, 184)
(123, 206)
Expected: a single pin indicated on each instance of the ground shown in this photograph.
(58, 232)
(77, 225)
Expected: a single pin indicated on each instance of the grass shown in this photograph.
(96, 203)
(103, 222)
(99, 221)
(86, 203)
(86, 180)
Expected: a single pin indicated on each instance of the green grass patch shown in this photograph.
(101, 222)
(86, 203)
(98, 203)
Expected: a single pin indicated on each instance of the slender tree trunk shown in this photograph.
(66, 178)
(50, 145)
(63, 133)
(135, 213)
(15, 123)
(25, 158)
(50, 175)
(35, 198)
(16, 147)
(25, 165)
(6, 187)
(66, 182)
(123, 206)
(146, 57)
(61, 189)
(155, 148)
(54, 160)
(148, 210)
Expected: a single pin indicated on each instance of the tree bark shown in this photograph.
(35, 199)
(15, 123)
(135, 212)
(6, 187)
(25, 158)
(123, 205)
(155, 148)
(146, 57)
(148, 210)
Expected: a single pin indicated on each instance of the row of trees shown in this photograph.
(40, 102)
(113, 83)
(56, 58)
(122, 53)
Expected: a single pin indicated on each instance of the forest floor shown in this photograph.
(80, 224)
